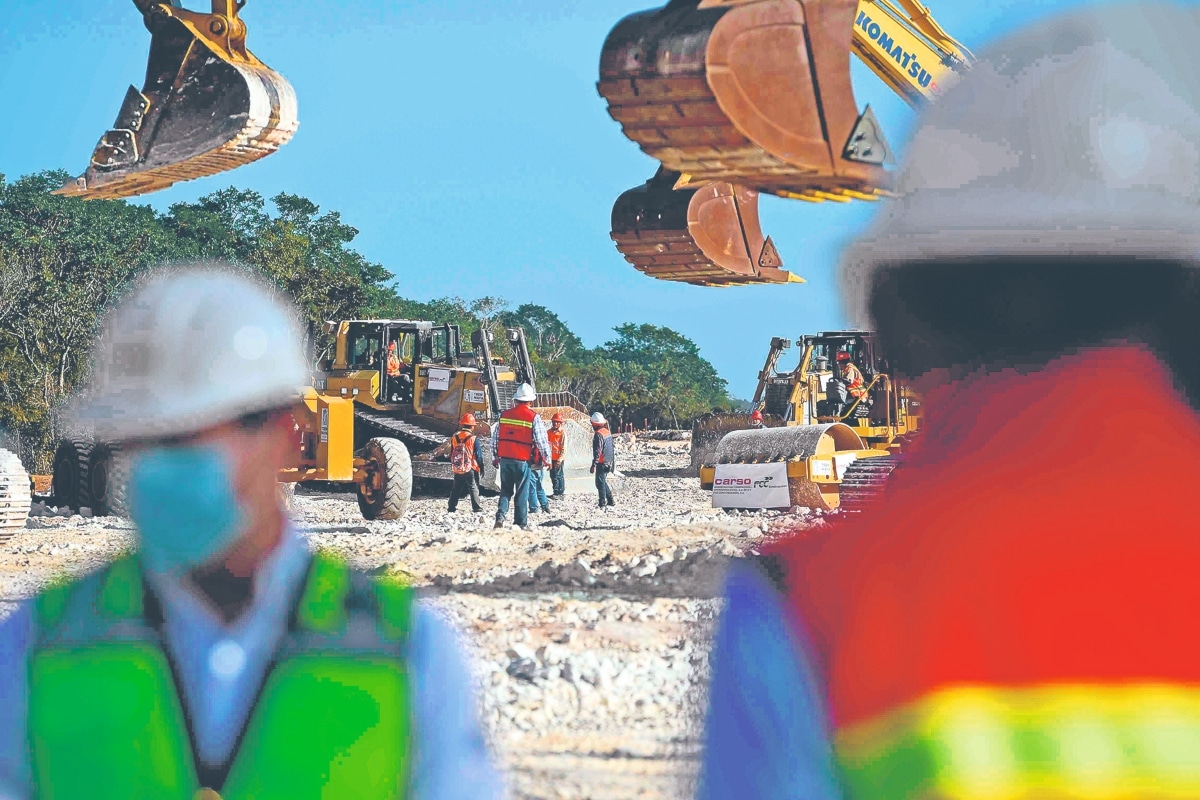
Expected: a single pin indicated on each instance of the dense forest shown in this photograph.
(63, 260)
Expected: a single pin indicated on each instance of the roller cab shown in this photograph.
(207, 105)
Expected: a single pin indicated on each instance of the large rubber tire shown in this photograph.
(71, 482)
(107, 479)
(388, 486)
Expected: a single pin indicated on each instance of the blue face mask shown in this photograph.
(181, 500)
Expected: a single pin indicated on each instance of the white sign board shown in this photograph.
(751, 486)
(439, 379)
(474, 395)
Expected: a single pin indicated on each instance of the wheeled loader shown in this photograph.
(839, 450)
(738, 97)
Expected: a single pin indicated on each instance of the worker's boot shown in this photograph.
(499, 524)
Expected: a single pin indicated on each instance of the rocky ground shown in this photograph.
(589, 633)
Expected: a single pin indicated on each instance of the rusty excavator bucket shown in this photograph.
(707, 235)
(753, 92)
(207, 106)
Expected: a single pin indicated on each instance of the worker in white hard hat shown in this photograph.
(516, 436)
(223, 658)
(603, 458)
(1014, 615)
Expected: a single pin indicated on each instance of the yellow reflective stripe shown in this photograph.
(1064, 740)
(518, 422)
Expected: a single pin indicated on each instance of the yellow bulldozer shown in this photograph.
(382, 427)
(738, 97)
(838, 449)
(361, 422)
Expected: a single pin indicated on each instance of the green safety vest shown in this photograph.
(332, 719)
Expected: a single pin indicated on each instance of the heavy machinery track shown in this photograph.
(415, 437)
(865, 481)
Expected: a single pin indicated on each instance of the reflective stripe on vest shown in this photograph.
(332, 720)
(516, 433)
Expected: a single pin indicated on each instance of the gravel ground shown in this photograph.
(589, 634)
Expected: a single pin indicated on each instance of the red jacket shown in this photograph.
(1030, 579)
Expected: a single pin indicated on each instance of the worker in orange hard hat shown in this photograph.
(756, 419)
(558, 441)
(849, 386)
(393, 361)
(466, 458)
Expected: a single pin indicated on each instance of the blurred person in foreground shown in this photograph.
(1015, 616)
(224, 657)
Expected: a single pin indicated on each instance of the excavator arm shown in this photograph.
(207, 105)
(754, 96)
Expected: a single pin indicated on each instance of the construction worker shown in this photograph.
(537, 471)
(519, 432)
(1013, 618)
(224, 656)
(466, 458)
(558, 442)
(393, 360)
(603, 458)
(756, 419)
(852, 387)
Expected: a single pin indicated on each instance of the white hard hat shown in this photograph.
(525, 394)
(598, 419)
(1077, 136)
(191, 348)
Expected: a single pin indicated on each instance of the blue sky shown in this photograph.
(466, 141)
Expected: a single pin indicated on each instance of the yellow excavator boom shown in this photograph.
(907, 49)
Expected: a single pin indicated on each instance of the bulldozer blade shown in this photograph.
(710, 429)
(203, 109)
(753, 92)
(708, 235)
(793, 443)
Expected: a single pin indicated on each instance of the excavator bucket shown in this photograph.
(707, 235)
(753, 92)
(207, 106)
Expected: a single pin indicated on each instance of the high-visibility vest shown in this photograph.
(332, 720)
(557, 443)
(854, 380)
(516, 433)
(463, 442)
(1017, 618)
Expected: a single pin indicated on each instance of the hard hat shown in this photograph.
(392, 345)
(756, 415)
(1078, 136)
(525, 394)
(467, 419)
(598, 419)
(557, 418)
(190, 348)
(843, 356)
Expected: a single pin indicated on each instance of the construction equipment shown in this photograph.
(382, 410)
(207, 105)
(839, 449)
(89, 474)
(15, 499)
(755, 96)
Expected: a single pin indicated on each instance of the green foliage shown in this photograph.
(63, 261)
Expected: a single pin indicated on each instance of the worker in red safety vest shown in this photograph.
(558, 443)
(518, 433)
(1014, 617)
(603, 458)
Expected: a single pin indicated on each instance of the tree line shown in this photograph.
(64, 260)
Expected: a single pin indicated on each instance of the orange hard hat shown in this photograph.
(756, 415)
(843, 356)
(557, 418)
(467, 419)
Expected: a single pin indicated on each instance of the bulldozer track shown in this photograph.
(865, 481)
(415, 437)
